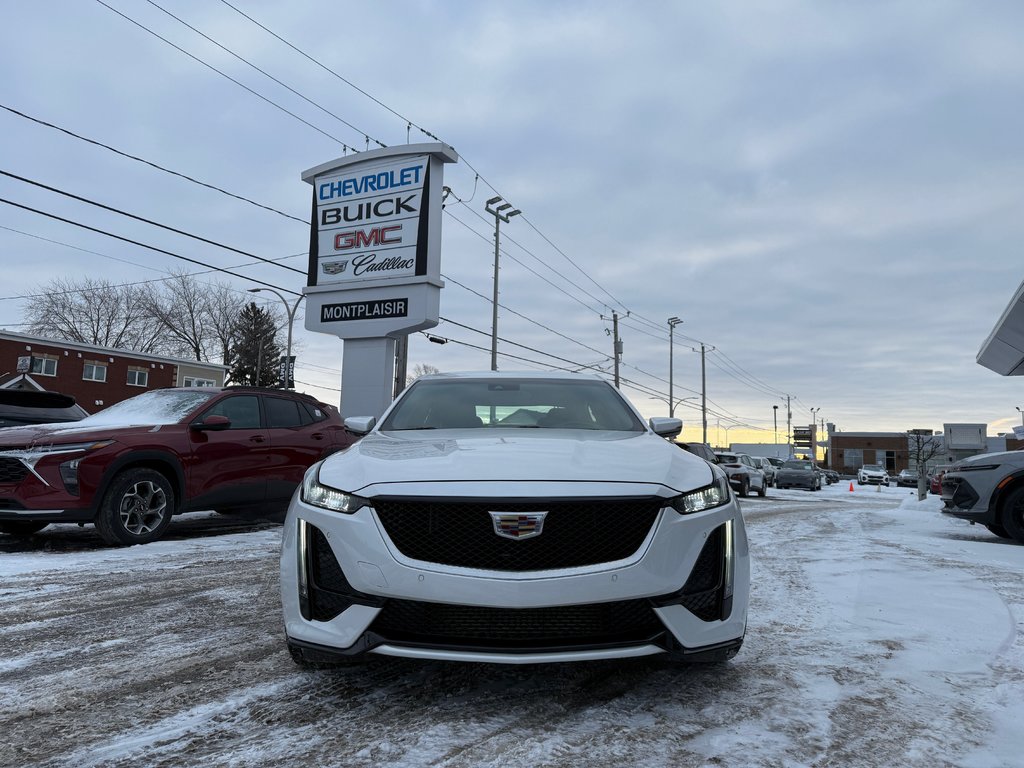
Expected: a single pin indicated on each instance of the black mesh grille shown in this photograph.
(12, 470)
(599, 624)
(702, 593)
(576, 532)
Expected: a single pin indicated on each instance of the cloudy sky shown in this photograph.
(827, 194)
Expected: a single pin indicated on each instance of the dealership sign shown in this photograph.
(375, 260)
(368, 221)
(375, 242)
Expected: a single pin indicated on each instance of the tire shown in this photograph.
(1012, 515)
(745, 487)
(21, 527)
(999, 531)
(136, 509)
(763, 490)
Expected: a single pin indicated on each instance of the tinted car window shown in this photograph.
(284, 413)
(315, 413)
(512, 403)
(242, 410)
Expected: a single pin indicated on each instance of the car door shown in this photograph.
(296, 442)
(228, 467)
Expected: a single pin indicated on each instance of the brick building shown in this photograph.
(96, 377)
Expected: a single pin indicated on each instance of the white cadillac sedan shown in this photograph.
(514, 518)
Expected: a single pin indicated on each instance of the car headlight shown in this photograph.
(319, 495)
(708, 497)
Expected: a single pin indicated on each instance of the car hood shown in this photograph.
(1015, 458)
(65, 432)
(386, 461)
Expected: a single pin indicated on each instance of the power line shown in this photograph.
(141, 245)
(227, 77)
(120, 212)
(266, 74)
(150, 163)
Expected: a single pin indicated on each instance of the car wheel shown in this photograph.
(136, 509)
(998, 530)
(763, 490)
(744, 487)
(21, 527)
(1013, 515)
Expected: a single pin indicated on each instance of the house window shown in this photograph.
(44, 366)
(191, 381)
(138, 377)
(94, 372)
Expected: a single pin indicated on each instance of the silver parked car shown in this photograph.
(767, 467)
(799, 474)
(988, 489)
(745, 473)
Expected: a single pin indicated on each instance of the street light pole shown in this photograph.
(672, 323)
(775, 423)
(814, 437)
(501, 213)
(1021, 414)
(290, 310)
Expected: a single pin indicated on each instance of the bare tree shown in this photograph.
(923, 446)
(182, 310)
(421, 369)
(94, 312)
(180, 316)
(225, 307)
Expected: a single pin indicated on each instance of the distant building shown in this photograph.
(97, 377)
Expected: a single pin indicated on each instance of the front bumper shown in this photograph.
(347, 590)
(960, 498)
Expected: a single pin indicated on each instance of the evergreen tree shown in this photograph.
(255, 354)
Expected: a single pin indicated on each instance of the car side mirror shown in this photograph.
(665, 427)
(214, 423)
(360, 425)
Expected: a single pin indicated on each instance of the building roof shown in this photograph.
(26, 339)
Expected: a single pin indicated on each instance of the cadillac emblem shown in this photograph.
(335, 267)
(518, 525)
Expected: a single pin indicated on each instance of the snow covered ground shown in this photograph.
(881, 633)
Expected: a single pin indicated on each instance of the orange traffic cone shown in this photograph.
(851, 485)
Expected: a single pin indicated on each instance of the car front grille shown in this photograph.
(11, 470)
(572, 626)
(576, 532)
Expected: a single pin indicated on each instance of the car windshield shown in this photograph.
(161, 406)
(873, 467)
(532, 403)
(804, 465)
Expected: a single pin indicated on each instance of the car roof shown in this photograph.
(569, 376)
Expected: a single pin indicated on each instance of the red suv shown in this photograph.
(129, 468)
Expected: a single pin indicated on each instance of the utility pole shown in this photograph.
(814, 437)
(501, 213)
(401, 364)
(703, 390)
(672, 323)
(616, 346)
(775, 424)
(789, 428)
